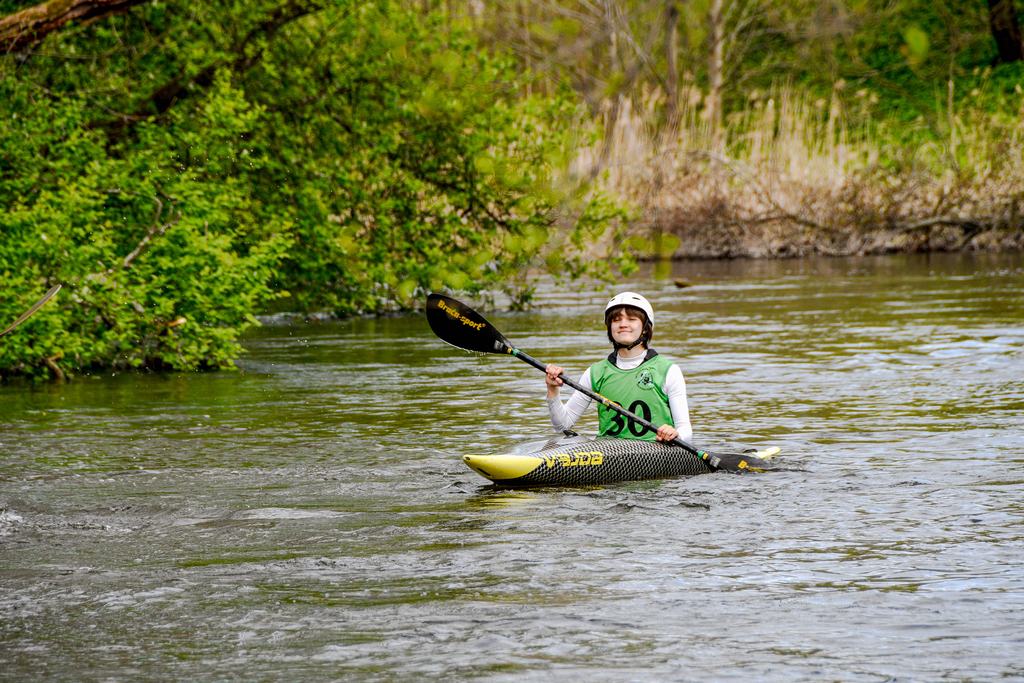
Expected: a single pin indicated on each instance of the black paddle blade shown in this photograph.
(738, 462)
(461, 326)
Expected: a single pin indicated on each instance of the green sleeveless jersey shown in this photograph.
(641, 390)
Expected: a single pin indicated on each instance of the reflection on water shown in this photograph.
(309, 517)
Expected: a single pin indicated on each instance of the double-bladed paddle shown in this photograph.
(462, 327)
(35, 307)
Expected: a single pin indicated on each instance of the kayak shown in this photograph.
(580, 461)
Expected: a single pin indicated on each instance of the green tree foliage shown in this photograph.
(760, 126)
(903, 52)
(161, 264)
(182, 165)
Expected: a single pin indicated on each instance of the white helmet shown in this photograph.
(631, 299)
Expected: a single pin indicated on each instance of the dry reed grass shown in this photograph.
(792, 176)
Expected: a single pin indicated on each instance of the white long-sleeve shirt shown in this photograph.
(564, 416)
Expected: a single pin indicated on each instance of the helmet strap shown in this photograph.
(629, 347)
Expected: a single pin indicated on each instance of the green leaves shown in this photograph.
(916, 44)
(156, 239)
(209, 158)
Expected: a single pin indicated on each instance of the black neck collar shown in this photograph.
(614, 355)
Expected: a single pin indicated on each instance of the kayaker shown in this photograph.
(634, 375)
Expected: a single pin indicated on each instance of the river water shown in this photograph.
(309, 517)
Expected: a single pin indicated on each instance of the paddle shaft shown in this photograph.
(711, 460)
(35, 307)
(462, 327)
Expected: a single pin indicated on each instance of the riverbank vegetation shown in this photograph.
(750, 128)
(180, 167)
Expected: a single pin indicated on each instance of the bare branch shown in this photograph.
(155, 230)
(967, 223)
(28, 27)
(751, 178)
